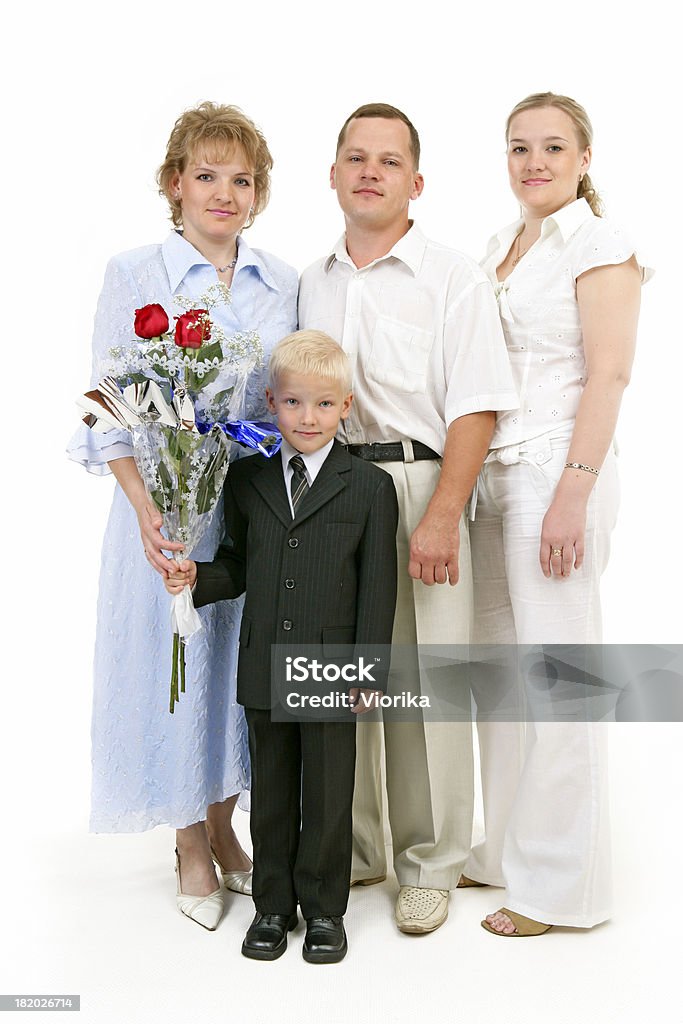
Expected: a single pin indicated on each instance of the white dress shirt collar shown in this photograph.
(313, 463)
(409, 249)
(180, 256)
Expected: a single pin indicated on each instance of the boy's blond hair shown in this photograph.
(313, 353)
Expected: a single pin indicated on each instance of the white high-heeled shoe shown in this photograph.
(205, 910)
(236, 881)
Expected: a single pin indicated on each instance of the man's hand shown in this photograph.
(434, 549)
(435, 543)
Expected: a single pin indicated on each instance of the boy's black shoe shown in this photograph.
(325, 941)
(266, 937)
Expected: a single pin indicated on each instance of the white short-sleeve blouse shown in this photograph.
(540, 316)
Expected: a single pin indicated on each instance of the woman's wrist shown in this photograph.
(130, 482)
(582, 467)
(574, 488)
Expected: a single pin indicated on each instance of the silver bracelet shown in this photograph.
(580, 465)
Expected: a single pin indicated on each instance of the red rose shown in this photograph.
(192, 328)
(151, 321)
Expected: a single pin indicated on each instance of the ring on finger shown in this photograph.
(557, 552)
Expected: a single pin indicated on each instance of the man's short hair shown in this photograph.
(392, 114)
(312, 353)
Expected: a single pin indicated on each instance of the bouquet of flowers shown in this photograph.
(181, 395)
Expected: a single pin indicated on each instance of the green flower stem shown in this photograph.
(174, 674)
(182, 665)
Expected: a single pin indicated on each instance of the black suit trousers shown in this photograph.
(301, 828)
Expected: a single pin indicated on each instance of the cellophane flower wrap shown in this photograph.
(164, 388)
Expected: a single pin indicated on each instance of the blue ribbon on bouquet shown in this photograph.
(262, 437)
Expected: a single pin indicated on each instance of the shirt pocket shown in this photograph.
(399, 356)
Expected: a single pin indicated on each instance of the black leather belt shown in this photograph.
(390, 452)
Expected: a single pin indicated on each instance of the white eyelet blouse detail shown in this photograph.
(540, 316)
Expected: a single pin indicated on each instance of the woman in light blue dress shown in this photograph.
(149, 767)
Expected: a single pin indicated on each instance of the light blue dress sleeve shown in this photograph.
(114, 322)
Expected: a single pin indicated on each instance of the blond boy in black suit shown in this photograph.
(311, 538)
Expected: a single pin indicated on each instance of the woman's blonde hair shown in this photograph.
(582, 127)
(213, 130)
(312, 353)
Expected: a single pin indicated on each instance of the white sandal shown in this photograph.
(204, 910)
(236, 881)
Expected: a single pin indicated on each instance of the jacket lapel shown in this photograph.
(270, 483)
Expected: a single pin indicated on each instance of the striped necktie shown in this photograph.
(299, 483)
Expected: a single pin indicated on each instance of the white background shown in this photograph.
(89, 98)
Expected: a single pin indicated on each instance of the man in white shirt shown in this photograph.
(420, 325)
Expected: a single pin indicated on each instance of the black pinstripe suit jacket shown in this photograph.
(327, 576)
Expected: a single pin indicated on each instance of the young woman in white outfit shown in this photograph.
(568, 286)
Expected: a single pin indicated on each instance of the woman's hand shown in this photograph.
(154, 542)
(609, 300)
(149, 518)
(562, 537)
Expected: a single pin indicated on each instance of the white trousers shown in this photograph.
(429, 772)
(544, 784)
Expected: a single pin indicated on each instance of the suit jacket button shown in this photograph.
(287, 624)
(293, 542)
(290, 584)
